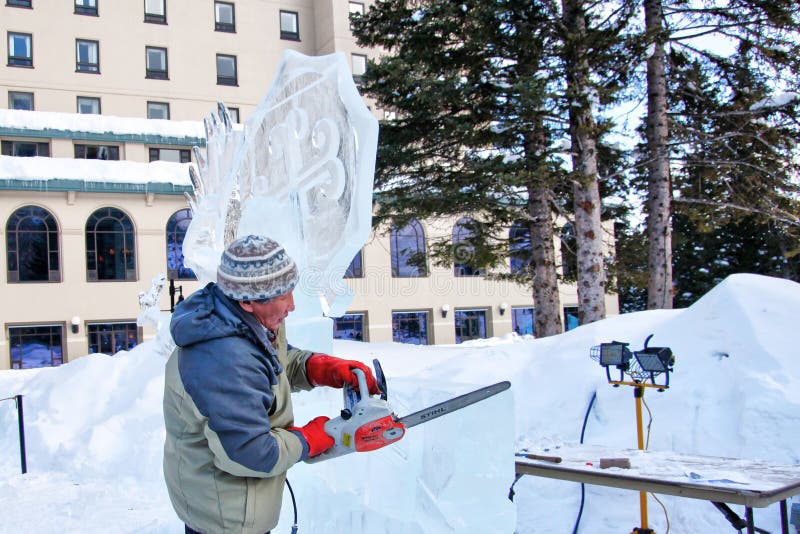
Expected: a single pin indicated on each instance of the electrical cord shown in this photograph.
(583, 488)
(646, 446)
(294, 505)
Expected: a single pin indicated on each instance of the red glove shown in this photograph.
(314, 434)
(324, 370)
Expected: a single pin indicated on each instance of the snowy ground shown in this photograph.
(94, 429)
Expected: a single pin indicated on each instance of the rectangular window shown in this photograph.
(224, 17)
(86, 7)
(355, 8)
(89, 105)
(156, 63)
(157, 110)
(87, 56)
(359, 65)
(20, 49)
(226, 70)
(171, 154)
(349, 326)
(290, 28)
(110, 338)
(20, 100)
(18, 3)
(410, 327)
(234, 113)
(107, 152)
(356, 267)
(155, 11)
(570, 318)
(470, 324)
(36, 346)
(25, 149)
(522, 321)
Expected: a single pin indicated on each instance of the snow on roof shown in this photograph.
(79, 122)
(93, 170)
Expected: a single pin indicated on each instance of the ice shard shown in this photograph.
(300, 172)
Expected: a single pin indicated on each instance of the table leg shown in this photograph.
(784, 518)
(748, 515)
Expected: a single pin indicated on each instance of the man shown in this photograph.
(227, 395)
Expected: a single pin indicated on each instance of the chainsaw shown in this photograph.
(367, 423)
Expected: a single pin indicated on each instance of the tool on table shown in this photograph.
(367, 423)
(605, 463)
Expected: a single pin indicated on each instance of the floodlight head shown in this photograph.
(655, 359)
(615, 353)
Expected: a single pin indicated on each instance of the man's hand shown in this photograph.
(314, 435)
(324, 370)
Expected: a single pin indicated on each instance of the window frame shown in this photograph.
(87, 67)
(462, 233)
(227, 80)
(87, 99)
(128, 231)
(227, 27)
(111, 150)
(184, 154)
(234, 114)
(15, 242)
(289, 35)
(19, 61)
(57, 330)
(412, 234)
(28, 4)
(571, 311)
(13, 94)
(517, 310)
(153, 17)
(177, 225)
(483, 327)
(354, 8)
(153, 73)
(362, 319)
(353, 57)
(153, 105)
(356, 267)
(422, 318)
(125, 327)
(42, 148)
(82, 9)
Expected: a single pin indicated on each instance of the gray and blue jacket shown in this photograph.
(227, 403)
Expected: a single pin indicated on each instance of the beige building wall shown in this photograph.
(191, 42)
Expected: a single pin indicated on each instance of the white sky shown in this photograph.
(95, 433)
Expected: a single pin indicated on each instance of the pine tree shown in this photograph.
(474, 124)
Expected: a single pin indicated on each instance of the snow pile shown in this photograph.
(94, 429)
(94, 170)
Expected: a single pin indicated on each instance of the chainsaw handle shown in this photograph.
(363, 388)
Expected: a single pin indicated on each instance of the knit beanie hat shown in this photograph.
(256, 268)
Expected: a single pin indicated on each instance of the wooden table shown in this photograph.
(752, 483)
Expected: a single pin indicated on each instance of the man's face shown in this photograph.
(270, 313)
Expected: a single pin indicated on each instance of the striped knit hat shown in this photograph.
(256, 268)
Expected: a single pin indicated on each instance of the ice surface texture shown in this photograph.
(300, 172)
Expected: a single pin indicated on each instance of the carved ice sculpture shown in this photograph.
(301, 172)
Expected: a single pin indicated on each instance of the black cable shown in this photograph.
(583, 488)
(294, 505)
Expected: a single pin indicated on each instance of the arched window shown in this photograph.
(569, 251)
(408, 250)
(32, 246)
(176, 232)
(110, 246)
(464, 261)
(519, 246)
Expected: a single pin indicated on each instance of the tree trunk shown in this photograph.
(547, 303)
(659, 194)
(586, 191)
